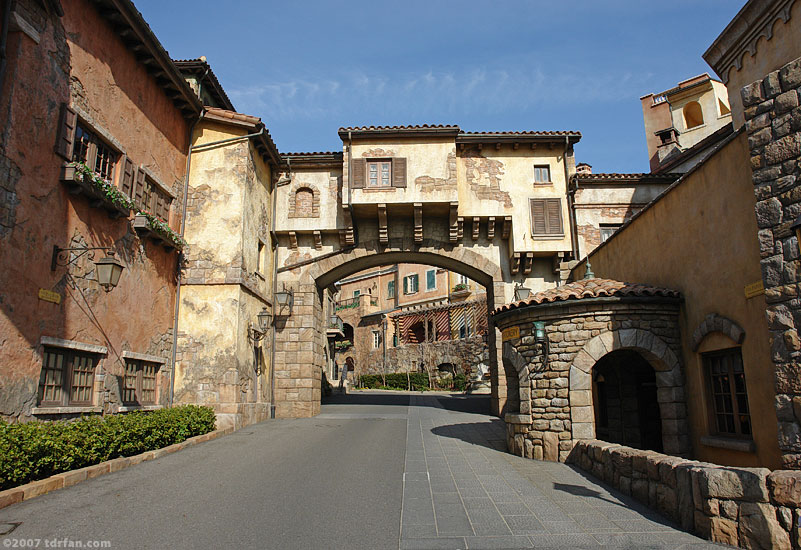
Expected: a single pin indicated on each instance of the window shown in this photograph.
(693, 115)
(67, 378)
(304, 203)
(149, 196)
(379, 173)
(465, 327)
(542, 173)
(139, 384)
(729, 397)
(391, 289)
(607, 230)
(431, 279)
(411, 284)
(546, 217)
(93, 152)
(356, 293)
(376, 339)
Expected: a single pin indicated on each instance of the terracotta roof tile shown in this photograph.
(603, 176)
(311, 153)
(590, 288)
(233, 115)
(526, 133)
(408, 127)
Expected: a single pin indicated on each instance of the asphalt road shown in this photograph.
(306, 483)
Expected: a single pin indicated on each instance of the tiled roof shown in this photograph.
(201, 66)
(233, 115)
(408, 127)
(669, 176)
(526, 133)
(590, 288)
(310, 154)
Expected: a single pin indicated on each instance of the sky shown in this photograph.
(308, 67)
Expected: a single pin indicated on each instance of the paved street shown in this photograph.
(374, 470)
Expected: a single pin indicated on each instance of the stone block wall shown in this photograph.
(747, 507)
(773, 123)
(556, 404)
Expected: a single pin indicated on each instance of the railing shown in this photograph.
(336, 325)
(659, 99)
(347, 304)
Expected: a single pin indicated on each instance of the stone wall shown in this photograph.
(556, 403)
(773, 123)
(747, 507)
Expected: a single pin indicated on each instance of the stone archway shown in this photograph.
(669, 381)
(300, 336)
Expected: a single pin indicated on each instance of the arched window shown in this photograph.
(304, 203)
(693, 116)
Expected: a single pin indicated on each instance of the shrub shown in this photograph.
(36, 450)
(396, 381)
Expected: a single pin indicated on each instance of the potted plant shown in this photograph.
(80, 179)
(150, 225)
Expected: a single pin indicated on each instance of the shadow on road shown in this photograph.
(487, 434)
(477, 404)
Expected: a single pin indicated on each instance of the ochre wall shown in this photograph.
(701, 239)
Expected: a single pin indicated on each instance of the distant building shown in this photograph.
(683, 122)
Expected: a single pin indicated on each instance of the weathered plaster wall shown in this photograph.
(228, 215)
(709, 258)
(79, 59)
(326, 184)
(713, 119)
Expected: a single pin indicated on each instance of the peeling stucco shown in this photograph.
(484, 177)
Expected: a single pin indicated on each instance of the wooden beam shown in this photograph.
(507, 227)
(476, 227)
(348, 227)
(533, 146)
(498, 146)
(383, 234)
(418, 222)
(453, 222)
(528, 263)
(491, 228)
(514, 265)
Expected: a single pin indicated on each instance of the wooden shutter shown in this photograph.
(66, 132)
(127, 180)
(158, 203)
(139, 190)
(553, 209)
(406, 285)
(358, 173)
(538, 224)
(399, 172)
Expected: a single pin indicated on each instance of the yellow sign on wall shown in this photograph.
(754, 289)
(49, 296)
(510, 333)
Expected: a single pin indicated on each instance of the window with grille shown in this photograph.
(67, 378)
(93, 152)
(376, 339)
(542, 173)
(379, 173)
(728, 392)
(139, 384)
(546, 217)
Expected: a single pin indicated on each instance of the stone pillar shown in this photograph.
(773, 123)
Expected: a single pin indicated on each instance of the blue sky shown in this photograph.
(307, 68)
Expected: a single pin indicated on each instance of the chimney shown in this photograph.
(582, 168)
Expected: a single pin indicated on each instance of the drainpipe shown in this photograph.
(192, 149)
(4, 42)
(571, 205)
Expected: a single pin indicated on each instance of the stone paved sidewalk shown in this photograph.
(461, 490)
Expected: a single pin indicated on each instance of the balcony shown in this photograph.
(361, 305)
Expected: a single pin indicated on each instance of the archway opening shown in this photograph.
(625, 401)
(693, 115)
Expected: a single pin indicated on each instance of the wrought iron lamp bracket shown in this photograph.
(61, 255)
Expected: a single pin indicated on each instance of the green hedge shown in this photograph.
(36, 450)
(397, 381)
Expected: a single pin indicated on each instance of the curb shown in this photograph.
(73, 477)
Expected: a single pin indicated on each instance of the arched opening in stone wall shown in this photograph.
(310, 282)
(625, 401)
(304, 201)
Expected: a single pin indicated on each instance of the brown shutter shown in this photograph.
(66, 132)
(554, 212)
(160, 205)
(127, 180)
(358, 173)
(538, 224)
(399, 172)
(139, 189)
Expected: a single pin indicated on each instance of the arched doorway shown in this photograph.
(308, 282)
(625, 401)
